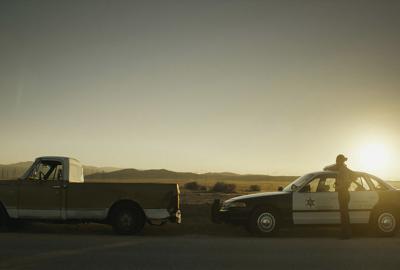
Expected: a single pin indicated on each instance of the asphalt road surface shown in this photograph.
(310, 249)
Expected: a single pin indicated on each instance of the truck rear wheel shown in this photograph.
(128, 221)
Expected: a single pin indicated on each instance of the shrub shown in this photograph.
(192, 186)
(224, 188)
(254, 188)
(203, 188)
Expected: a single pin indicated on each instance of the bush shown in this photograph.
(203, 188)
(192, 186)
(254, 188)
(224, 188)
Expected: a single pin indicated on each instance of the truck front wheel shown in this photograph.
(127, 221)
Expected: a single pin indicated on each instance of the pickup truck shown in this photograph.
(53, 190)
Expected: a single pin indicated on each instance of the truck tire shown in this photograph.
(385, 223)
(128, 220)
(264, 222)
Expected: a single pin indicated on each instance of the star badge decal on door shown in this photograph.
(310, 202)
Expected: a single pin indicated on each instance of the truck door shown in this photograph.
(40, 194)
(317, 202)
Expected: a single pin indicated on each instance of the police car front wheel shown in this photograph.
(264, 222)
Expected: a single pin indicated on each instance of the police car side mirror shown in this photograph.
(280, 188)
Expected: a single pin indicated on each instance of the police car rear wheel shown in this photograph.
(385, 223)
(264, 222)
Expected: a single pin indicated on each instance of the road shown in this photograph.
(103, 250)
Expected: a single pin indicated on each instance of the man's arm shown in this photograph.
(332, 167)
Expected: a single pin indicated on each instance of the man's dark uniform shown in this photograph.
(344, 178)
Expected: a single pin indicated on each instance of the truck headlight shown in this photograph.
(233, 205)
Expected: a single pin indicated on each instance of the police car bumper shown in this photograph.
(231, 215)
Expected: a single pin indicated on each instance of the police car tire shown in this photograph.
(264, 222)
(378, 219)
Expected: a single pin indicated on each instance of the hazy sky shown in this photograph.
(277, 87)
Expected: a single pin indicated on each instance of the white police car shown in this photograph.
(312, 200)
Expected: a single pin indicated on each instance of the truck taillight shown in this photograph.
(177, 197)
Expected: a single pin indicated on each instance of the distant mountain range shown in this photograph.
(11, 171)
(133, 174)
(16, 170)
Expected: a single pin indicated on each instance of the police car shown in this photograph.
(312, 200)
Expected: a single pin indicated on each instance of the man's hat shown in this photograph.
(341, 158)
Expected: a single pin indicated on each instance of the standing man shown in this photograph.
(344, 178)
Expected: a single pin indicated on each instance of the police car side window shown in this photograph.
(312, 186)
(377, 185)
(359, 184)
(327, 185)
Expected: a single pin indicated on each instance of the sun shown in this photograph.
(374, 157)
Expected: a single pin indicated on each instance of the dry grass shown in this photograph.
(189, 197)
(242, 185)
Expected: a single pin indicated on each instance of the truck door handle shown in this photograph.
(56, 187)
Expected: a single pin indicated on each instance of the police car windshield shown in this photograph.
(299, 182)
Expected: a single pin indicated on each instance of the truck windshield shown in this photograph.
(298, 182)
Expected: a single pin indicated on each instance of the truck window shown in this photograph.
(47, 171)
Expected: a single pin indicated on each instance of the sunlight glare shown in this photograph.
(374, 158)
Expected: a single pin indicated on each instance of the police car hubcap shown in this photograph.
(266, 222)
(386, 222)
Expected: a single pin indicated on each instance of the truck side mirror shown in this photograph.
(280, 188)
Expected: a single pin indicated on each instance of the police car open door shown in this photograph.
(317, 202)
